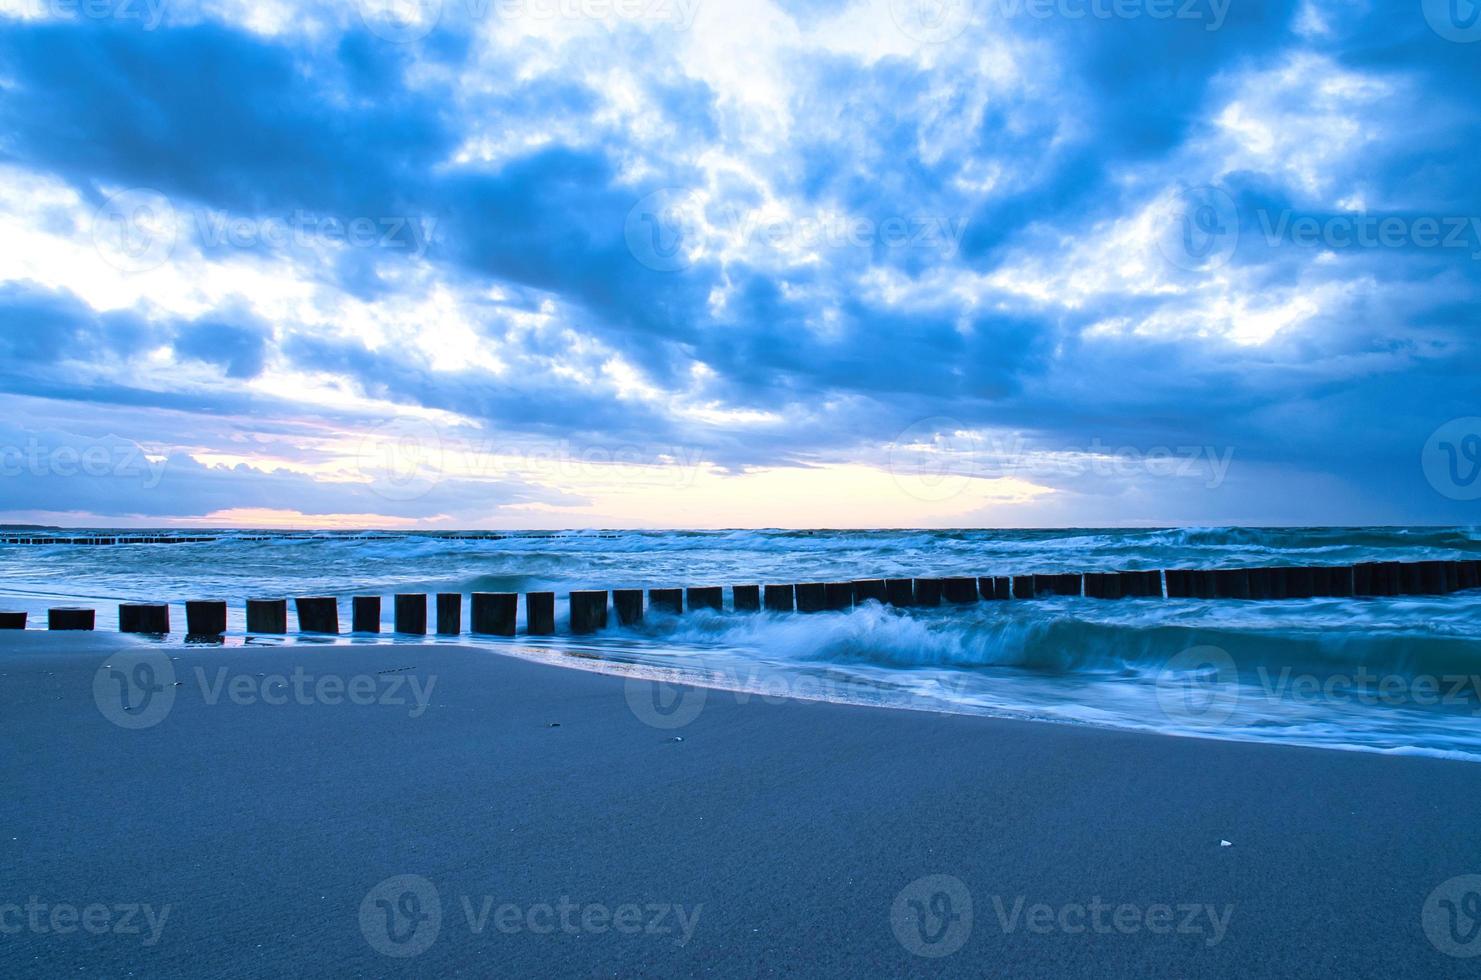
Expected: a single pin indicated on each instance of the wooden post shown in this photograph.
(205, 618)
(870, 588)
(812, 597)
(669, 601)
(1470, 575)
(267, 616)
(318, 614)
(629, 606)
(1432, 577)
(12, 619)
(151, 618)
(987, 588)
(900, 592)
(1300, 583)
(540, 613)
(70, 618)
(746, 598)
(706, 598)
(1411, 579)
(839, 595)
(960, 591)
(365, 614)
(494, 613)
(1340, 581)
(779, 598)
(588, 612)
(411, 614)
(449, 613)
(1179, 584)
(928, 592)
(1023, 587)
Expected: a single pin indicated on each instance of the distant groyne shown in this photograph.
(590, 611)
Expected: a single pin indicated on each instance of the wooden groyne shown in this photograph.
(496, 614)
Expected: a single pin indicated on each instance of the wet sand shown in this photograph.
(551, 824)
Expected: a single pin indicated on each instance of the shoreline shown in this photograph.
(798, 830)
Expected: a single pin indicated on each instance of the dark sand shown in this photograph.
(792, 828)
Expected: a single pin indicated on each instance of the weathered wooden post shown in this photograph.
(495, 613)
(746, 598)
(267, 616)
(959, 591)
(411, 614)
(365, 614)
(812, 597)
(588, 612)
(839, 596)
(152, 618)
(629, 604)
(779, 598)
(900, 592)
(12, 619)
(540, 613)
(318, 614)
(928, 592)
(205, 618)
(867, 589)
(670, 601)
(70, 618)
(449, 613)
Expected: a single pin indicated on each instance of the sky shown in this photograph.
(736, 263)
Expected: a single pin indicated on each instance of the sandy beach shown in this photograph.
(440, 810)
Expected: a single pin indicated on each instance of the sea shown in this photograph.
(1393, 675)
